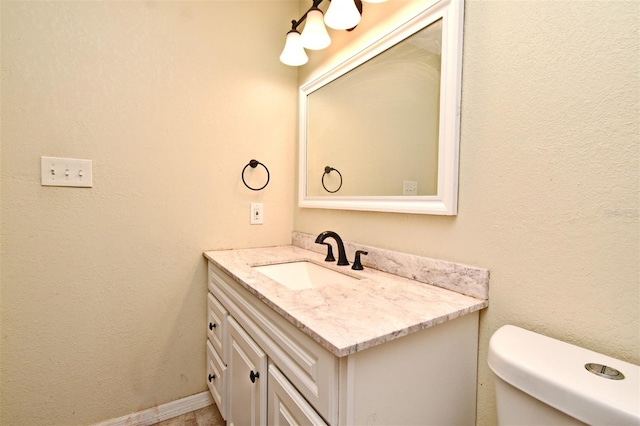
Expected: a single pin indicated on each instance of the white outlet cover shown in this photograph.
(257, 214)
(409, 187)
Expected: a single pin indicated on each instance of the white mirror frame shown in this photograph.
(445, 202)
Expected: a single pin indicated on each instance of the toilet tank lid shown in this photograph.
(554, 372)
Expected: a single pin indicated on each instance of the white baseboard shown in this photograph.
(162, 412)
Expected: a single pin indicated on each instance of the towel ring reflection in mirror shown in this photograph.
(254, 164)
(328, 170)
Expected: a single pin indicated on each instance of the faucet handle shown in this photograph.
(329, 257)
(357, 264)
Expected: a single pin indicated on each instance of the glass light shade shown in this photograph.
(342, 15)
(293, 53)
(315, 36)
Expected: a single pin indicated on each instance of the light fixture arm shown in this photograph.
(345, 14)
(316, 3)
(295, 24)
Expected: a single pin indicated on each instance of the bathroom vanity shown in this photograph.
(376, 348)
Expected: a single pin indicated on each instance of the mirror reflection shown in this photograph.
(374, 131)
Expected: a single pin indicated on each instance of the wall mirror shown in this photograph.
(380, 131)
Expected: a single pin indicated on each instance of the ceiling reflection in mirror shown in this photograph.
(374, 131)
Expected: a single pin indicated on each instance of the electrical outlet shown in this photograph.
(257, 214)
(55, 171)
(409, 187)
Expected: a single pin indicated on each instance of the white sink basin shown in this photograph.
(303, 274)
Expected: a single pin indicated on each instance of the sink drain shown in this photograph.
(604, 371)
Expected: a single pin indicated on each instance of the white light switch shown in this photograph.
(55, 171)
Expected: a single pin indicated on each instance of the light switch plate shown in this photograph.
(56, 171)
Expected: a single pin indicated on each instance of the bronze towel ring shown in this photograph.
(254, 164)
(328, 170)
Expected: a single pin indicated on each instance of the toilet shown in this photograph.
(544, 381)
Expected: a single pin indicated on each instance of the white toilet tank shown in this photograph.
(543, 381)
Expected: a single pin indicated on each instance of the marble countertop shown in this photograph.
(347, 317)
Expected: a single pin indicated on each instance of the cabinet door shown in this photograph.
(286, 405)
(247, 379)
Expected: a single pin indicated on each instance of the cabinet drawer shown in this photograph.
(286, 405)
(310, 368)
(217, 323)
(217, 378)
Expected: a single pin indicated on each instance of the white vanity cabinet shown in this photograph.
(274, 373)
(271, 369)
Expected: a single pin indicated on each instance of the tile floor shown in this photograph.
(207, 416)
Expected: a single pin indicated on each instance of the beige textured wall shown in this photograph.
(104, 289)
(549, 172)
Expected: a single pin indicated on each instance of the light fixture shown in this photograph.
(293, 53)
(341, 15)
(315, 36)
